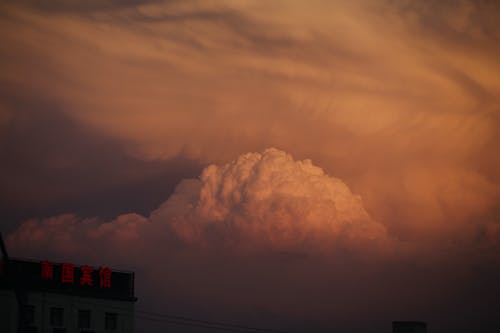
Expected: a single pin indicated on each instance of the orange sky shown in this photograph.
(106, 106)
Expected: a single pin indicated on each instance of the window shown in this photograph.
(84, 319)
(110, 321)
(29, 314)
(59, 330)
(56, 316)
(30, 329)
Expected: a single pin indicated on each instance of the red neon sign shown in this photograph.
(104, 277)
(68, 274)
(47, 270)
(86, 278)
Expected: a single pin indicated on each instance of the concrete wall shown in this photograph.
(71, 304)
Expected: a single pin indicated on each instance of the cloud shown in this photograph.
(367, 88)
(51, 164)
(259, 201)
(271, 199)
(254, 74)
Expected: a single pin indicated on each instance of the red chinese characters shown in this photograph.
(47, 271)
(67, 273)
(104, 277)
(86, 278)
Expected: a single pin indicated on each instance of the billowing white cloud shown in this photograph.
(258, 201)
(268, 199)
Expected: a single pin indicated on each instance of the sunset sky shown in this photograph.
(308, 166)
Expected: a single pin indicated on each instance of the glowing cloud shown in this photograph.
(259, 200)
(269, 199)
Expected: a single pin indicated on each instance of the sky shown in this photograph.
(299, 165)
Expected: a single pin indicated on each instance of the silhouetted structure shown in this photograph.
(409, 327)
(64, 298)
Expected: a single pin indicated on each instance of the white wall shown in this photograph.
(71, 304)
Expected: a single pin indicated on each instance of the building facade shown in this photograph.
(47, 297)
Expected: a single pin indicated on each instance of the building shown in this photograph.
(48, 297)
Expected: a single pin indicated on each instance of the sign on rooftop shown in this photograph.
(69, 278)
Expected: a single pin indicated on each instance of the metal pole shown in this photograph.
(20, 295)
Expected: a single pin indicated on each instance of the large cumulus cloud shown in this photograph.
(269, 198)
(259, 200)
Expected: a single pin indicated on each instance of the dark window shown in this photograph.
(84, 319)
(110, 321)
(56, 316)
(59, 330)
(29, 314)
(30, 329)
(87, 332)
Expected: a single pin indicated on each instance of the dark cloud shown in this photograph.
(52, 164)
(84, 7)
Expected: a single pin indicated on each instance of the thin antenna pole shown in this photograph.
(20, 295)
